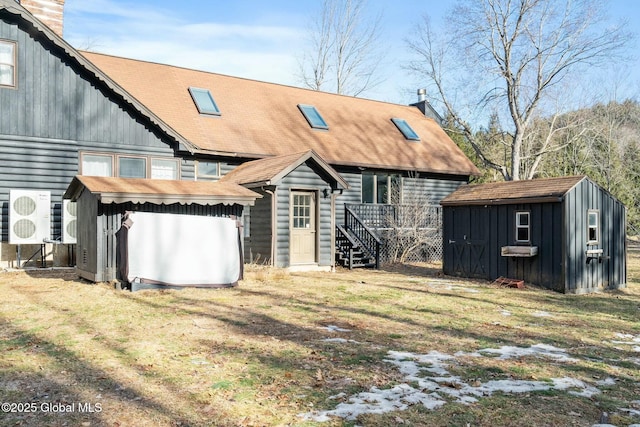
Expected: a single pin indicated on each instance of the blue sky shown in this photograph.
(256, 39)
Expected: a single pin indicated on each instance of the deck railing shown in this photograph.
(378, 216)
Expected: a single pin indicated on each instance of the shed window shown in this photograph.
(313, 116)
(406, 130)
(207, 171)
(204, 101)
(523, 227)
(7, 63)
(593, 226)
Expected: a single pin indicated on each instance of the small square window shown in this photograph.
(164, 169)
(207, 170)
(132, 167)
(593, 227)
(313, 117)
(96, 165)
(7, 63)
(406, 130)
(523, 227)
(204, 101)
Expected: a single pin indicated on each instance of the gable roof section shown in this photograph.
(20, 14)
(503, 193)
(270, 170)
(259, 119)
(156, 191)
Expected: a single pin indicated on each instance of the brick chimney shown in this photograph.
(50, 12)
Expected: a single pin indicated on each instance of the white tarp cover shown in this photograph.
(183, 250)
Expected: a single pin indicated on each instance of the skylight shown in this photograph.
(406, 130)
(313, 117)
(204, 101)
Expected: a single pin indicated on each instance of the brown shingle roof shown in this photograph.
(121, 190)
(272, 169)
(261, 119)
(496, 193)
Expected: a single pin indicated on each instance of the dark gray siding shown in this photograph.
(610, 271)
(474, 235)
(304, 178)
(258, 244)
(54, 113)
(431, 187)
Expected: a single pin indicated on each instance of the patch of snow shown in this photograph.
(629, 340)
(537, 350)
(542, 314)
(606, 381)
(432, 386)
(334, 328)
(505, 313)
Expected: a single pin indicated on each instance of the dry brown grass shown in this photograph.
(256, 355)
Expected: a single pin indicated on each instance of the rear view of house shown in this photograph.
(309, 155)
(565, 234)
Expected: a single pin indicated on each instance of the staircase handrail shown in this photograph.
(365, 235)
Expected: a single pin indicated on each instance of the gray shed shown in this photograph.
(565, 234)
(104, 202)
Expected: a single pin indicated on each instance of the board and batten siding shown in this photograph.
(581, 276)
(55, 112)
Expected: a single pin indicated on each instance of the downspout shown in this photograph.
(274, 226)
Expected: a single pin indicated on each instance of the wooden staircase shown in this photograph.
(356, 244)
(349, 253)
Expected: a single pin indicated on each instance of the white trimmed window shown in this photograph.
(593, 227)
(523, 227)
(7, 63)
(207, 171)
(127, 166)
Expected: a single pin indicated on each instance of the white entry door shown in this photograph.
(303, 227)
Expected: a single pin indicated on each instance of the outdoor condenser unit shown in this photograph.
(29, 216)
(69, 222)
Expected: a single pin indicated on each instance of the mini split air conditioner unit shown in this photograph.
(29, 216)
(69, 222)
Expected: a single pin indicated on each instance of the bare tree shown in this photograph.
(511, 56)
(342, 55)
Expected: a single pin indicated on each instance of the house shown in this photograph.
(66, 113)
(566, 234)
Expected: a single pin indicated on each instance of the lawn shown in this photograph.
(401, 346)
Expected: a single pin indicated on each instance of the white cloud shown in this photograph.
(260, 52)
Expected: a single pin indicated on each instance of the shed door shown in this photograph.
(303, 227)
(469, 244)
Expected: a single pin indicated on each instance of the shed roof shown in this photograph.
(501, 193)
(259, 119)
(136, 190)
(270, 170)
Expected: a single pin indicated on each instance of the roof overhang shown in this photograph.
(504, 201)
(160, 192)
(271, 170)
